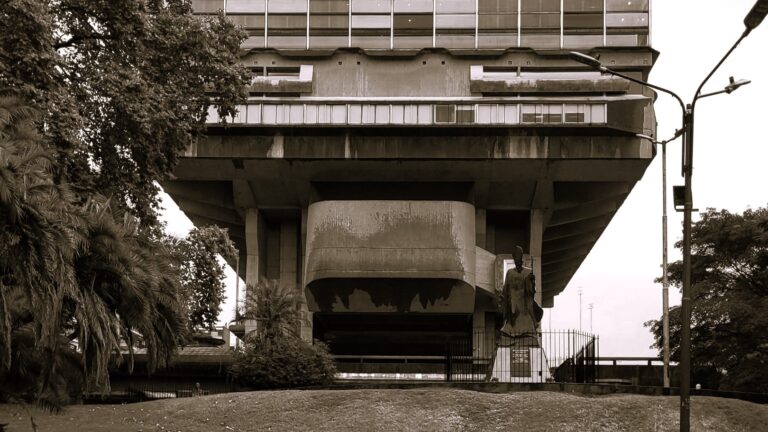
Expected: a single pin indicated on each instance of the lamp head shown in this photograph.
(756, 15)
(587, 60)
(734, 85)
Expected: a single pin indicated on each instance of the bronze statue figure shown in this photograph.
(520, 312)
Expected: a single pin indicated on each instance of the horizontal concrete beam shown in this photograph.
(584, 211)
(234, 231)
(584, 239)
(569, 194)
(211, 212)
(217, 193)
(553, 257)
(577, 228)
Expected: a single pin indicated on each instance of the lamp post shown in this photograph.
(753, 19)
(664, 263)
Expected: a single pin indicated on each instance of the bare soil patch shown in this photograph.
(398, 410)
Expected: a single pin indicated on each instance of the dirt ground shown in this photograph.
(397, 410)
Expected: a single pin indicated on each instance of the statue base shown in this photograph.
(520, 361)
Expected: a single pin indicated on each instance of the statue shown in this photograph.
(520, 312)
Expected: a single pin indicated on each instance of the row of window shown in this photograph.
(393, 24)
(414, 114)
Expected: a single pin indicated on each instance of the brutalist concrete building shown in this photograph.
(393, 153)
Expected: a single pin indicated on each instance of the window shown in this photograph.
(328, 23)
(582, 23)
(497, 23)
(207, 6)
(627, 22)
(540, 23)
(455, 24)
(371, 23)
(412, 30)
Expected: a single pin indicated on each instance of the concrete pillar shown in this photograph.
(289, 257)
(306, 322)
(480, 228)
(534, 248)
(254, 256)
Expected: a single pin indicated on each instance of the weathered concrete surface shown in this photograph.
(411, 239)
(391, 240)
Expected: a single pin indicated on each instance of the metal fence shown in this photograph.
(552, 356)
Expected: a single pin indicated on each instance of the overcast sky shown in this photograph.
(730, 172)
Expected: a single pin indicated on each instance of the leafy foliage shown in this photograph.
(274, 355)
(123, 86)
(202, 275)
(729, 298)
(72, 271)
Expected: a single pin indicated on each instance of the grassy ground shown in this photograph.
(398, 410)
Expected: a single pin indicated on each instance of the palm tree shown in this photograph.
(76, 276)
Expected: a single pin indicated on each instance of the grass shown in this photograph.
(398, 410)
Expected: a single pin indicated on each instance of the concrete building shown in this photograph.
(393, 152)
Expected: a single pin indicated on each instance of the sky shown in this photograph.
(730, 172)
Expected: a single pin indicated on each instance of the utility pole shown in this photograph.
(580, 292)
(590, 306)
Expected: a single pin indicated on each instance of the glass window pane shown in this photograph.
(445, 113)
(500, 40)
(370, 6)
(627, 5)
(288, 22)
(455, 6)
(413, 22)
(582, 5)
(294, 42)
(339, 114)
(310, 114)
(626, 20)
(455, 21)
(356, 114)
(413, 6)
(207, 6)
(328, 6)
(411, 114)
(370, 21)
(338, 22)
(540, 21)
(583, 21)
(425, 114)
(465, 114)
(540, 5)
(454, 41)
(397, 112)
(245, 6)
(249, 22)
(497, 23)
(511, 114)
(288, 6)
(382, 114)
(497, 6)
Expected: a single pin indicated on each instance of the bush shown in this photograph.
(284, 362)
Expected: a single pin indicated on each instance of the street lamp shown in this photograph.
(664, 279)
(751, 21)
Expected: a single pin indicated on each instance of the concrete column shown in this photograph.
(254, 256)
(534, 248)
(306, 322)
(480, 228)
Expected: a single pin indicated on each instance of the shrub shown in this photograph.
(284, 362)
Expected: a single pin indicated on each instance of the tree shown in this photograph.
(202, 275)
(124, 87)
(274, 355)
(729, 298)
(72, 274)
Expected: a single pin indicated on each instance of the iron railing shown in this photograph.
(551, 356)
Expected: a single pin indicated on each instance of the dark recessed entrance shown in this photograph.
(385, 334)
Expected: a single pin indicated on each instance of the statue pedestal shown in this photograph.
(520, 365)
